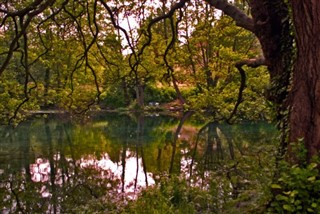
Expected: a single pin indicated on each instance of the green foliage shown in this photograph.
(297, 190)
(70, 64)
(11, 96)
(173, 195)
(160, 95)
(222, 104)
(113, 98)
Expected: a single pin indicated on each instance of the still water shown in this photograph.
(49, 164)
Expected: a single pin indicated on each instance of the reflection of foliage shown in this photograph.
(222, 167)
(26, 195)
(86, 190)
(154, 134)
(123, 128)
(239, 158)
(89, 191)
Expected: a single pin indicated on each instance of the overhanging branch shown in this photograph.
(29, 12)
(252, 63)
(241, 19)
(155, 20)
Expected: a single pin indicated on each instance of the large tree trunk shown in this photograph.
(272, 28)
(271, 25)
(304, 100)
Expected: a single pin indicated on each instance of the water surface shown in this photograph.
(53, 163)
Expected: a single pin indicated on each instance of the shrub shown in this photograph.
(173, 196)
(297, 190)
(161, 95)
(114, 98)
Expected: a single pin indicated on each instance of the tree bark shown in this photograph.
(304, 118)
(140, 95)
(272, 28)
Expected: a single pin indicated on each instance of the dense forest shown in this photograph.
(89, 55)
(232, 61)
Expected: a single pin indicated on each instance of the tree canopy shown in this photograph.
(233, 60)
(66, 54)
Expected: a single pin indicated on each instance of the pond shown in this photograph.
(53, 163)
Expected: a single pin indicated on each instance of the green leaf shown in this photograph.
(275, 186)
(312, 165)
(310, 210)
(293, 193)
(297, 202)
(312, 178)
(288, 208)
(281, 198)
(287, 193)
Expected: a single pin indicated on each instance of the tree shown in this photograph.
(297, 102)
(304, 99)
(287, 31)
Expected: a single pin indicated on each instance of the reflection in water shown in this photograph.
(55, 165)
(135, 178)
(40, 171)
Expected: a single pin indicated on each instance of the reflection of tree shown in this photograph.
(52, 165)
(140, 141)
(147, 136)
(131, 134)
(159, 154)
(20, 195)
(231, 154)
(71, 146)
(212, 154)
(213, 150)
(23, 137)
(217, 148)
(73, 172)
(184, 118)
(79, 164)
(123, 163)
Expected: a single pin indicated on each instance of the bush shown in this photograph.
(297, 190)
(114, 98)
(160, 95)
(298, 187)
(173, 196)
